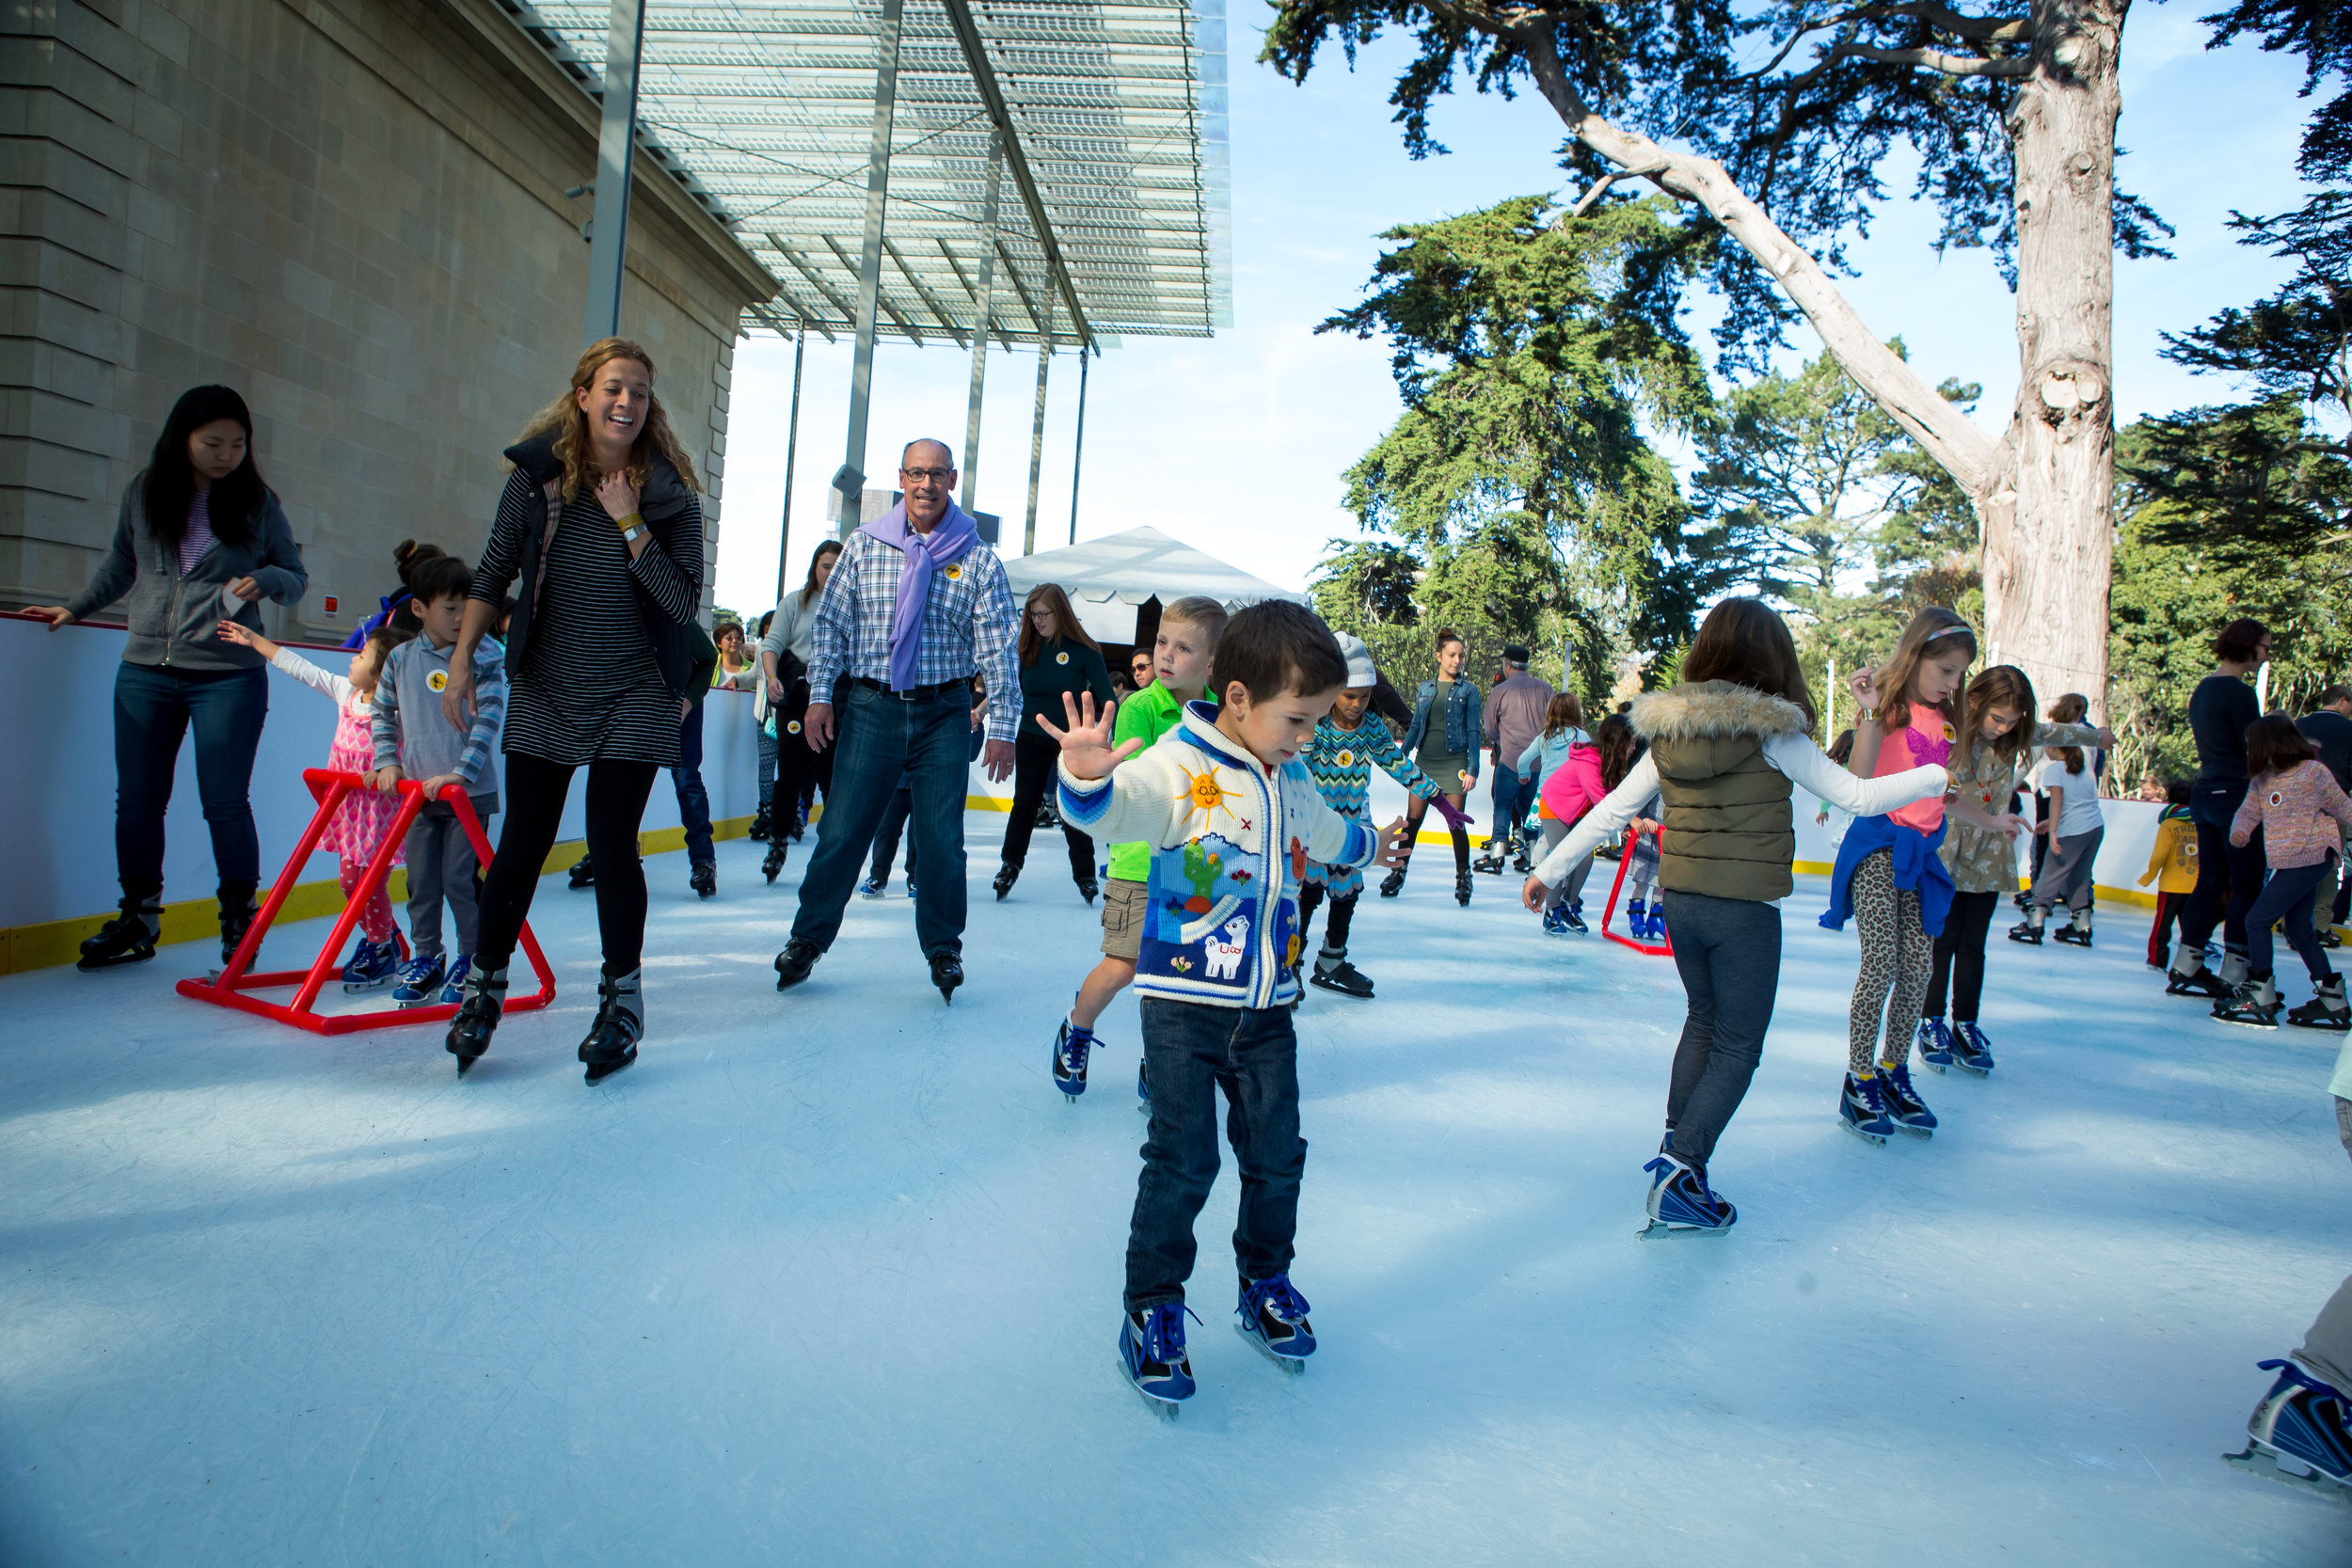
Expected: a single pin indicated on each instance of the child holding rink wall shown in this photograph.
(1181, 654)
(1231, 818)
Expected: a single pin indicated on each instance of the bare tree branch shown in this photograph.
(1935, 59)
(1941, 18)
(1948, 435)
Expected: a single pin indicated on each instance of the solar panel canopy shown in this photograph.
(764, 109)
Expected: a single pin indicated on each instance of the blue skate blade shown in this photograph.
(1294, 1365)
(2258, 1461)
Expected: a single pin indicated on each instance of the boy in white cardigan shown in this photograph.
(1234, 818)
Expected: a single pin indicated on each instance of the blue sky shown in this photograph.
(1237, 444)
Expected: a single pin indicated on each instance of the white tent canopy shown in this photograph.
(1108, 578)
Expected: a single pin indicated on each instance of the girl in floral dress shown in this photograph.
(364, 819)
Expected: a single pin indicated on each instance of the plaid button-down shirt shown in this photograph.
(969, 624)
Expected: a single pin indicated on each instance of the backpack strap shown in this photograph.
(553, 490)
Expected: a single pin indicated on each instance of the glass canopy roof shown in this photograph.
(764, 109)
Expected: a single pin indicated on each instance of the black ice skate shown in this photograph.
(129, 938)
(794, 962)
(2188, 975)
(1334, 972)
(2028, 930)
(1489, 864)
(2076, 932)
(2254, 1005)
(946, 974)
(2325, 1010)
(2303, 1421)
(773, 863)
(583, 872)
(1006, 876)
(1393, 883)
(238, 913)
(704, 878)
(1462, 888)
(477, 1019)
(612, 1042)
(757, 833)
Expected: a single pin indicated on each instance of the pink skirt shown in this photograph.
(358, 827)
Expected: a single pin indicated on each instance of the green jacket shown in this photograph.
(1730, 832)
(1148, 715)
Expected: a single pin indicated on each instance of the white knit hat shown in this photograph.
(1360, 669)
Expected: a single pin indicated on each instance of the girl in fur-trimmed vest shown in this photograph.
(1728, 748)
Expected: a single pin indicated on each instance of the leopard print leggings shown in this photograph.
(1898, 955)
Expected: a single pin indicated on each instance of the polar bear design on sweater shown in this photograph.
(1225, 951)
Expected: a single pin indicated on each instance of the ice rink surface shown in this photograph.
(832, 1277)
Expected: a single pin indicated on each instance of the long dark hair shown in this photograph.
(815, 557)
(2001, 686)
(2071, 708)
(1066, 624)
(1619, 748)
(168, 485)
(2273, 745)
(1743, 641)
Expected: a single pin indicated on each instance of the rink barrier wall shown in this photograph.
(56, 830)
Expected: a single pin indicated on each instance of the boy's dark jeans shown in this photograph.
(1191, 1051)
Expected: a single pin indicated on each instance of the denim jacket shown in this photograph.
(1461, 723)
(1230, 840)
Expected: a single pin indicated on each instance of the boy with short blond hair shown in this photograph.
(1181, 654)
(1232, 818)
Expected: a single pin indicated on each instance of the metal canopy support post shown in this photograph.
(616, 143)
(851, 479)
(791, 451)
(1037, 424)
(983, 319)
(1078, 454)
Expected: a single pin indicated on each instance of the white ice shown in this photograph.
(834, 1276)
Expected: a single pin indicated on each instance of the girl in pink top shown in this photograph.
(1888, 875)
(2302, 815)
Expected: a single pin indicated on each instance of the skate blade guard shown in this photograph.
(229, 985)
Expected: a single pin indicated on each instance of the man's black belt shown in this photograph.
(912, 693)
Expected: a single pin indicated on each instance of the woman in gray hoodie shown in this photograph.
(199, 538)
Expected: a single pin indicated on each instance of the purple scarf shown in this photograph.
(943, 547)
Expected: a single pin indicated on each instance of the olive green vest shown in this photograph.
(1730, 833)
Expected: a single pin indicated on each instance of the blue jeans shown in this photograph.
(883, 736)
(154, 708)
(694, 801)
(1510, 802)
(2287, 898)
(1190, 1051)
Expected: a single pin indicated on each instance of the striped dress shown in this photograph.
(588, 687)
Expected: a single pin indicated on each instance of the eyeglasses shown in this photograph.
(942, 475)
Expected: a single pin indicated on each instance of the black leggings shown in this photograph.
(1418, 809)
(535, 789)
(2229, 880)
(1960, 957)
(799, 772)
(1035, 767)
(1335, 930)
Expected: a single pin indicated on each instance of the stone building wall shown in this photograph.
(353, 212)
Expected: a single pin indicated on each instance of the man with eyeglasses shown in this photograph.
(915, 606)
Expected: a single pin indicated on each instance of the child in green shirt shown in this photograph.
(1180, 663)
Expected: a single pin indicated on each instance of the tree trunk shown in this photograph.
(2048, 533)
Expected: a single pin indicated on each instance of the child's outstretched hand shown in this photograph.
(245, 636)
(1396, 844)
(1085, 745)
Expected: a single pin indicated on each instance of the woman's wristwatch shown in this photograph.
(633, 527)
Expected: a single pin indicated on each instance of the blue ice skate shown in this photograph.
(1143, 1087)
(371, 966)
(419, 980)
(1657, 929)
(1903, 1103)
(1935, 1044)
(2303, 1420)
(1070, 1058)
(1152, 1348)
(453, 987)
(1556, 921)
(1636, 919)
(1971, 1051)
(1863, 1107)
(1272, 1315)
(1681, 1202)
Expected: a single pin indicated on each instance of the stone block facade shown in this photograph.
(352, 211)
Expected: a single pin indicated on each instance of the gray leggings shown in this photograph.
(1573, 888)
(1727, 951)
(2066, 872)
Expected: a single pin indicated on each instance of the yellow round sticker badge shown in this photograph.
(954, 572)
(793, 728)
(1348, 759)
(436, 681)
(1950, 734)
(1061, 659)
